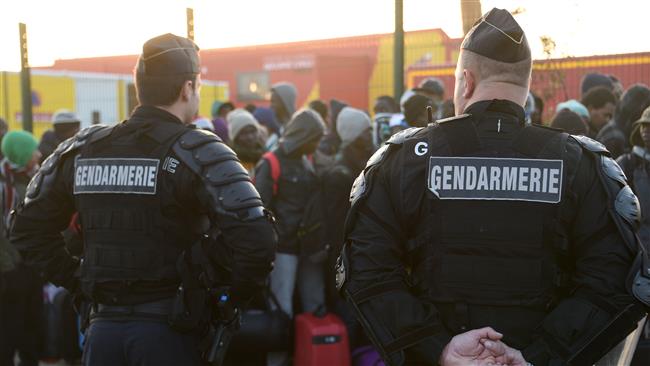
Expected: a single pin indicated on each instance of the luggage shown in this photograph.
(321, 339)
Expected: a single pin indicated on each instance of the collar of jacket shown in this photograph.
(496, 106)
(641, 152)
(145, 113)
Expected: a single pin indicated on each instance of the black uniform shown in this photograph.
(146, 190)
(481, 221)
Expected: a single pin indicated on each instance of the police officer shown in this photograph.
(478, 239)
(145, 190)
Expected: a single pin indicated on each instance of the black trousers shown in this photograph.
(21, 317)
(138, 342)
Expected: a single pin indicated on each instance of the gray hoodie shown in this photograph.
(287, 92)
(305, 125)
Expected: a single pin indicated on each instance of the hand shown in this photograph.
(478, 347)
(505, 355)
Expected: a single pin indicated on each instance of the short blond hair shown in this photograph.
(486, 69)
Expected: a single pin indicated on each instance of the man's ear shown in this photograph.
(187, 90)
(470, 83)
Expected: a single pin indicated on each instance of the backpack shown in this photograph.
(311, 231)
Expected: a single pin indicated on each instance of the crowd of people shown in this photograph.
(303, 162)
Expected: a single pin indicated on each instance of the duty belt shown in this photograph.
(157, 310)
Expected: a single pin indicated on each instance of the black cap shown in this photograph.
(432, 86)
(169, 55)
(498, 36)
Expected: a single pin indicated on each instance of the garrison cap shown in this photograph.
(497, 36)
(169, 54)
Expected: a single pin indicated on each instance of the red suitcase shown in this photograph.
(321, 341)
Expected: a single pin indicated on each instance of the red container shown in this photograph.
(321, 341)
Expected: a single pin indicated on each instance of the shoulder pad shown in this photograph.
(194, 138)
(225, 180)
(613, 170)
(627, 205)
(199, 150)
(454, 118)
(400, 137)
(591, 144)
(64, 148)
(359, 186)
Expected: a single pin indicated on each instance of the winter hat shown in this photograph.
(18, 147)
(575, 106)
(287, 92)
(570, 122)
(266, 118)
(351, 123)
(305, 126)
(593, 80)
(64, 116)
(635, 136)
(237, 120)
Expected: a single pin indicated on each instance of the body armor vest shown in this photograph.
(494, 262)
(132, 228)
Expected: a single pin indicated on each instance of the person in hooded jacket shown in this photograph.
(329, 146)
(287, 197)
(355, 129)
(283, 101)
(614, 134)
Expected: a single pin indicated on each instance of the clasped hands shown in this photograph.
(480, 347)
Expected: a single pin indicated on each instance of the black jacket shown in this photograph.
(296, 185)
(388, 235)
(189, 194)
(297, 181)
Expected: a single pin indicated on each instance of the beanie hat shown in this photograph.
(18, 147)
(593, 80)
(574, 106)
(351, 123)
(266, 118)
(288, 93)
(64, 116)
(237, 120)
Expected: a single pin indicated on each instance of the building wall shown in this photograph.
(353, 69)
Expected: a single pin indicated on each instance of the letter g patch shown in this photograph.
(421, 148)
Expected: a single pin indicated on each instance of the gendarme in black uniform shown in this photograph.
(480, 220)
(145, 190)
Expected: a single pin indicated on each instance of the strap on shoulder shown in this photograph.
(275, 169)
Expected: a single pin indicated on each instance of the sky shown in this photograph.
(60, 29)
